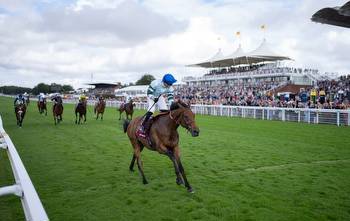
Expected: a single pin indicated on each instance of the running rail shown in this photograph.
(32, 206)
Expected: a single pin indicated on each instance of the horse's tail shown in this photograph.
(126, 124)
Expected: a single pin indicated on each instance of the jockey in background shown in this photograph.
(55, 99)
(19, 100)
(42, 97)
(127, 99)
(155, 96)
(82, 98)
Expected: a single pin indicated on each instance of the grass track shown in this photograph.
(241, 169)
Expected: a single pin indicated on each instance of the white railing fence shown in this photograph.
(32, 206)
(314, 116)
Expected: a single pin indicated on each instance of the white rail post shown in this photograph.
(254, 113)
(299, 116)
(338, 118)
(263, 113)
(349, 118)
(283, 115)
(316, 117)
(8, 190)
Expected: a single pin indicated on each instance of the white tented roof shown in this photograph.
(238, 57)
(208, 63)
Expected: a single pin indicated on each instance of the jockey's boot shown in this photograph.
(142, 131)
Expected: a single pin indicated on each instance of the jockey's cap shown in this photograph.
(169, 79)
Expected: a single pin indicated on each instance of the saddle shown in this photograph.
(147, 126)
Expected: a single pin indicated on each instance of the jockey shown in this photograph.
(82, 98)
(42, 97)
(155, 93)
(19, 100)
(55, 99)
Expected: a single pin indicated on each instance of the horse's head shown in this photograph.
(59, 100)
(20, 109)
(183, 115)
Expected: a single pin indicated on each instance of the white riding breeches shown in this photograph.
(161, 104)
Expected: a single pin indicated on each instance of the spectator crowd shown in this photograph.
(328, 94)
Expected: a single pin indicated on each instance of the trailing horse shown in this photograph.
(42, 107)
(100, 108)
(81, 109)
(163, 138)
(57, 110)
(20, 111)
(128, 108)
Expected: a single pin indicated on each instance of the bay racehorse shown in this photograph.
(100, 108)
(57, 109)
(128, 108)
(81, 109)
(20, 111)
(42, 107)
(163, 138)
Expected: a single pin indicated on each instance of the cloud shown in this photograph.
(127, 24)
(119, 40)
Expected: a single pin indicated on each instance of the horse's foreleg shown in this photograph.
(120, 115)
(182, 171)
(84, 117)
(171, 155)
(101, 116)
(76, 117)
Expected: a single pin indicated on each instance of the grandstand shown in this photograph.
(104, 88)
(259, 65)
(257, 78)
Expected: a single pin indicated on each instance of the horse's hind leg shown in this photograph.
(76, 117)
(137, 154)
(132, 163)
(120, 115)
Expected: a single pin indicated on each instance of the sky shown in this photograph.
(78, 41)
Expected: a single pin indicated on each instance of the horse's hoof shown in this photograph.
(190, 190)
(145, 182)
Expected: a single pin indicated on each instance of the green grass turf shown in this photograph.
(241, 169)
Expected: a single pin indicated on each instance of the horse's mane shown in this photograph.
(176, 105)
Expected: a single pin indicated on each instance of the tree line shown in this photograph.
(146, 79)
(40, 88)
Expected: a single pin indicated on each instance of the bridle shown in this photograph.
(177, 121)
